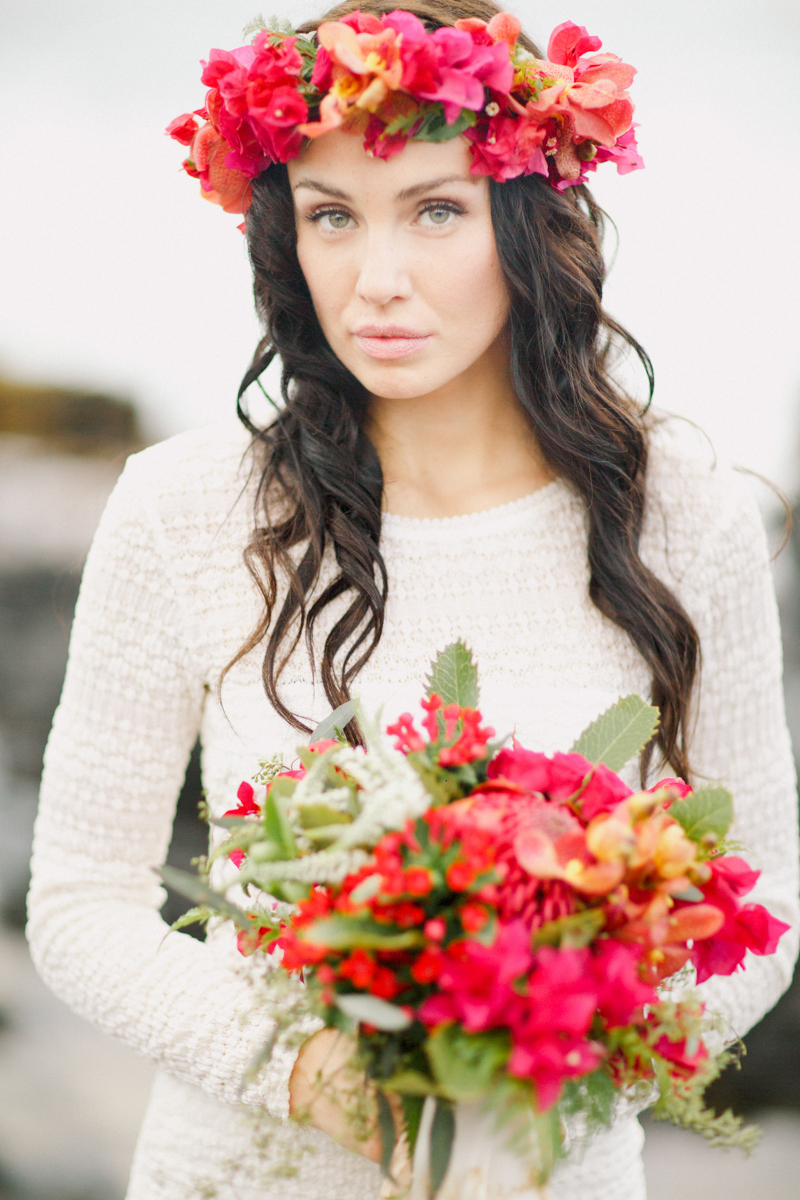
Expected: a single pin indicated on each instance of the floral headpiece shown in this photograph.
(387, 79)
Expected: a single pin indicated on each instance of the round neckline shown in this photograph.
(397, 523)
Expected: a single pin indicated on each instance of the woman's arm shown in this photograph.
(740, 737)
(128, 717)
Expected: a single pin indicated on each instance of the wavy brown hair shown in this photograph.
(321, 483)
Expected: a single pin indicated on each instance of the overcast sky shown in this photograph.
(113, 273)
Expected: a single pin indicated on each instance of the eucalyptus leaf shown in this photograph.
(340, 717)
(707, 811)
(373, 1010)
(621, 732)
(454, 676)
(442, 1133)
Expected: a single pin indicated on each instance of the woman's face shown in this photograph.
(401, 262)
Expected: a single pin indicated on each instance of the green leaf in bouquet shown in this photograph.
(315, 816)
(332, 725)
(410, 1083)
(708, 811)
(619, 733)
(291, 891)
(388, 1134)
(464, 1064)
(276, 822)
(412, 1115)
(442, 1133)
(360, 1006)
(193, 888)
(342, 933)
(194, 916)
(454, 676)
(265, 850)
(574, 931)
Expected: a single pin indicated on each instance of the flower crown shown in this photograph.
(388, 79)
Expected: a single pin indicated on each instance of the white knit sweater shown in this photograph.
(165, 604)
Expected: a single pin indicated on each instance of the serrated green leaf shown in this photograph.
(442, 1134)
(195, 889)
(334, 721)
(380, 1013)
(708, 810)
(454, 676)
(619, 733)
(194, 916)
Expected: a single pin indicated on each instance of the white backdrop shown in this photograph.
(113, 274)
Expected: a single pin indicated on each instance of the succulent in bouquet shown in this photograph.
(497, 929)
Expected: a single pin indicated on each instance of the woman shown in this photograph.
(452, 459)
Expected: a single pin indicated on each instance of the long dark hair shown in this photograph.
(321, 485)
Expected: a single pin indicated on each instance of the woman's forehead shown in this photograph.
(338, 165)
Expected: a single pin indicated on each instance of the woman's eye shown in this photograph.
(332, 220)
(438, 214)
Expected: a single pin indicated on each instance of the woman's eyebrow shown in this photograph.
(419, 189)
(316, 186)
(409, 193)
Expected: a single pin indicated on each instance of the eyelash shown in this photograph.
(429, 206)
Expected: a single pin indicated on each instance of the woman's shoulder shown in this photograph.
(185, 489)
(696, 500)
(214, 455)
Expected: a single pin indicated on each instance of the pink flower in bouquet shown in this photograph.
(744, 927)
(475, 981)
(620, 991)
(246, 807)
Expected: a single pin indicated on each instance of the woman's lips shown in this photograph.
(391, 341)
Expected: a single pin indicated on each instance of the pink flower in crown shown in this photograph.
(582, 101)
(466, 67)
(255, 103)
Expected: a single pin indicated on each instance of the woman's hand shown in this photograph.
(329, 1091)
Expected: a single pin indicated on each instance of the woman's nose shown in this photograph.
(383, 275)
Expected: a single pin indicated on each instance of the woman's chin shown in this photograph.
(399, 379)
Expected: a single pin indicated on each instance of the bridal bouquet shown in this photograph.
(503, 932)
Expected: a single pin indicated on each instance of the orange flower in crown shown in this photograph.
(388, 79)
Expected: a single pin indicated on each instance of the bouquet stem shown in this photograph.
(482, 1166)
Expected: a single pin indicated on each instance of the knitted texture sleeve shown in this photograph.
(739, 736)
(127, 720)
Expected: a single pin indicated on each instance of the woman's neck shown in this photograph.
(464, 448)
